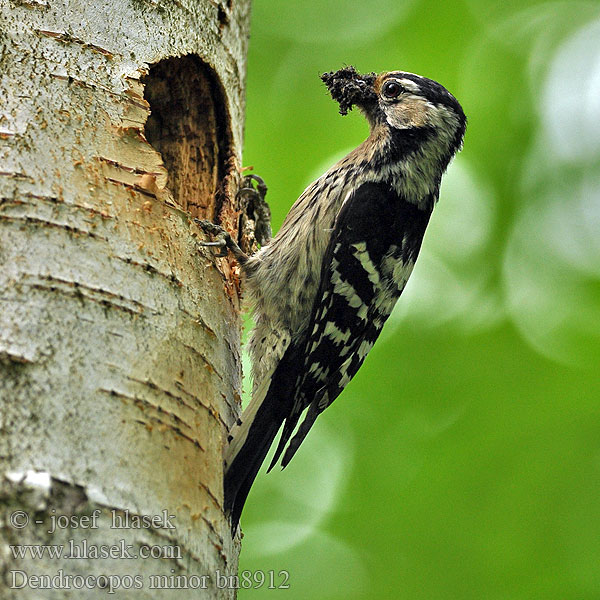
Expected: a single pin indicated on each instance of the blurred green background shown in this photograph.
(463, 461)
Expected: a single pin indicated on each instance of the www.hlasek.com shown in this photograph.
(83, 550)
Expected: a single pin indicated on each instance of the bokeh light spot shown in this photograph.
(570, 104)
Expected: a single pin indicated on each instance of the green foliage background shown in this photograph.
(463, 461)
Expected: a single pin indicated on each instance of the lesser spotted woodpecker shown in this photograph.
(323, 287)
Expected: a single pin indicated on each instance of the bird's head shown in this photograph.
(404, 104)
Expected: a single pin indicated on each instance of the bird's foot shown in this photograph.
(255, 208)
(255, 222)
(223, 240)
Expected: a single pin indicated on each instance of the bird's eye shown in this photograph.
(391, 89)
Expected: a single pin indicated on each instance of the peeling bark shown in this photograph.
(120, 121)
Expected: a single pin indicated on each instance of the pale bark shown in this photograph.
(119, 339)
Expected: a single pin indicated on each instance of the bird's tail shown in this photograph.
(250, 443)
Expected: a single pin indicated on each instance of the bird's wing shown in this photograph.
(371, 253)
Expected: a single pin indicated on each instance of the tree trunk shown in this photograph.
(120, 121)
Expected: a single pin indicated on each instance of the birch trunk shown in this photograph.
(120, 120)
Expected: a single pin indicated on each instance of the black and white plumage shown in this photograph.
(325, 285)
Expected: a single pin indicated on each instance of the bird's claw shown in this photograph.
(256, 207)
(255, 213)
(223, 240)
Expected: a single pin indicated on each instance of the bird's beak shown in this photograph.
(349, 88)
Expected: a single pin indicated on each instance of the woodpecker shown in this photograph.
(323, 287)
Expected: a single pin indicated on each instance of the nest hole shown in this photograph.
(189, 126)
